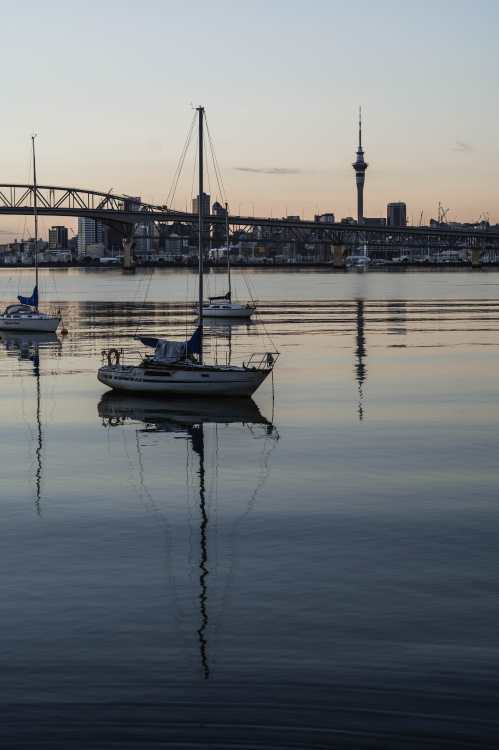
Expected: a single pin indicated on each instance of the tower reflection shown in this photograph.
(360, 355)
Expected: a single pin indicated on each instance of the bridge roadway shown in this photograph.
(124, 212)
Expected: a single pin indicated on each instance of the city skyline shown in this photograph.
(283, 117)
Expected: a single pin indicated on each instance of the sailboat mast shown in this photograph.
(35, 212)
(200, 228)
(228, 248)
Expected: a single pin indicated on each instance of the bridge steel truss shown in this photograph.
(124, 212)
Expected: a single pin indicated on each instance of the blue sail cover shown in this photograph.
(148, 341)
(33, 300)
(193, 345)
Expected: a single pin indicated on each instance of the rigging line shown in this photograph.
(260, 320)
(194, 174)
(148, 501)
(186, 313)
(207, 172)
(267, 334)
(176, 176)
(148, 286)
(263, 474)
(216, 166)
(183, 157)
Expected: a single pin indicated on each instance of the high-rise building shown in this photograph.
(90, 232)
(205, 203)
(218, 209)
(219, 232)
(58, 238)
(396, 214)
(360, 167)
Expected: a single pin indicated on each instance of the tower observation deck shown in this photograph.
(360, 166)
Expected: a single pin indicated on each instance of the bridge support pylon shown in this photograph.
(128, 255)
(338, 253)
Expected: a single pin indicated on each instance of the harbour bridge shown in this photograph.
(124, 213)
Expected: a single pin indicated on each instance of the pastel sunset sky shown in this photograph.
(108, 87)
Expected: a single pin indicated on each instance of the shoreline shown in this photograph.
(255, 266)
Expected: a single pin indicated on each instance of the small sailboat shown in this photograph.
(26, 316)
(359, 261)
(223, 306)
(178, 367)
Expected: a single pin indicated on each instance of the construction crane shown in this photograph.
(442, 213)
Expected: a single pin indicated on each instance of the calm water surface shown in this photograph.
(311, 570)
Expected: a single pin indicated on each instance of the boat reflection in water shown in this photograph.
(191, 418)
(26, 346)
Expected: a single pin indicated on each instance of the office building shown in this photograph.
(58, 238)
(396, 214)
(90, 232)
(205, 204)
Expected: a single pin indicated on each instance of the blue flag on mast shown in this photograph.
(33, 300)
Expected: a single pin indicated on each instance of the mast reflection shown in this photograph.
(189, 417)
(197, 438)
(27, 346)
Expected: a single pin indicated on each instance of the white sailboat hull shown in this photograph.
(37, 323)
(228, 310)
(195, 380)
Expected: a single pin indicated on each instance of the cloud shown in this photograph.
(269, 170)
(462, 147)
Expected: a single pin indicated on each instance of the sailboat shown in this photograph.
(26, 316)
(223, 306)
(360, 261)
(178, 367)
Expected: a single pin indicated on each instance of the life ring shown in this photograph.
(113, 357)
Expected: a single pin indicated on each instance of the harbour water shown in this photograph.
(316, 569)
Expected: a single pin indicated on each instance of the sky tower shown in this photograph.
(360, 167)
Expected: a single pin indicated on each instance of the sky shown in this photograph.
(109, 89)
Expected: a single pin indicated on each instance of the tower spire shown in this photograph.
(360, 166)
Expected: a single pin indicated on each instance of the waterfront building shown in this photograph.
(146, 239)
(218, 233)
(58, 238)
(205, 204)
(360, 166)
(324, 218)
(218, 209)
(90, 232)
(396, 214)
(374, 221)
